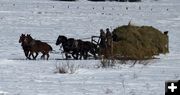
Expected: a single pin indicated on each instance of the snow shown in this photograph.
(46, 19)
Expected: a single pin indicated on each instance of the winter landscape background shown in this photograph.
(45, 20)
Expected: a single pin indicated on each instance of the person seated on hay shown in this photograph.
(108, 38)
(109, 42)
(102, 41)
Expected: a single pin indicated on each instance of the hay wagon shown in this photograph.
(139, 42)
(135, 42)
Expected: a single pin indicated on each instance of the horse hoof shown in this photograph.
(28, 58)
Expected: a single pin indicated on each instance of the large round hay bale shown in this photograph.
(135, 42)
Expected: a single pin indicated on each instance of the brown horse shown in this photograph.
(37, 46)
(26, 48)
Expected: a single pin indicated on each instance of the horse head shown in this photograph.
(28, 39)
(61, 39)
(22, 37)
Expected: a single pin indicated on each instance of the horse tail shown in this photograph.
(50, 48)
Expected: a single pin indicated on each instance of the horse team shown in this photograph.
(76, 48)
(31, 46)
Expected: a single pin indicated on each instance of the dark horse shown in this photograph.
(37, 46)
(76, 47)
(88, 47)
(26, 48)
(70, 46)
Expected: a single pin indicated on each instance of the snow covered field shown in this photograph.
(45, 20)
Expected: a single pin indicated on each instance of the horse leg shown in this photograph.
(31, 54)
(75, 55)
(36, 55)
(81, 54)
(43, 56)
(28, 57)
(26, 54)
(95, 57)
(47, 56)
(85, 55)
(66, 55)
(94, 53)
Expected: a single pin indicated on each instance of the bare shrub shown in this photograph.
(134, 62)
(66, 67)
(60, 68)
(108, 91)
(110, 63)
(107, 63)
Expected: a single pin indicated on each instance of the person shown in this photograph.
(102, 39)
(166, 32)
(102, 42)
(108, 38)
(109, 42)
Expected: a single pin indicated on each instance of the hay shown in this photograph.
(135, 42)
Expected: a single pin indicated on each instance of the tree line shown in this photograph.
(105, 0)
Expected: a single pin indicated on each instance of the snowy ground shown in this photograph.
(45, 20)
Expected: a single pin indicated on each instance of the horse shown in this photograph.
(37, 46)
(26, 48)
(70, 46)
(88, 47)
(77, 47)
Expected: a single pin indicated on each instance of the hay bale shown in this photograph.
(135, 42)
